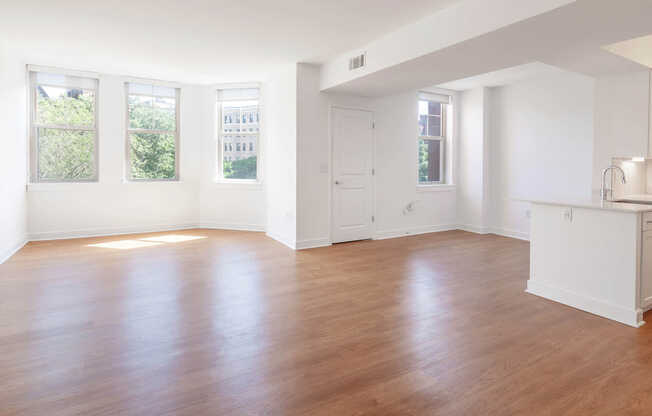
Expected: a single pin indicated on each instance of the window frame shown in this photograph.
(128, 130)
(34, 167)
(219, 165)
(442, 144)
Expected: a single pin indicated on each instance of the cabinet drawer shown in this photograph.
(647, 221)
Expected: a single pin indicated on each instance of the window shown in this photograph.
(152, 132)
(238, 106)
(433, 110)
(63, 128)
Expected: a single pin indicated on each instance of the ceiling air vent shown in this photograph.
(357, 61)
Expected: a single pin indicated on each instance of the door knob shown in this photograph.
(337, 182)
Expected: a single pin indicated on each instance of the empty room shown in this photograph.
(303, 207)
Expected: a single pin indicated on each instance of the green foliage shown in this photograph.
(240, 169)
(152, 113)
(152, 156)
(70, 155)
(66, 154)
(423, 161)
(61, 109)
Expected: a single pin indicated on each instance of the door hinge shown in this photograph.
(373, 219)
(373, 172)
(373, 124)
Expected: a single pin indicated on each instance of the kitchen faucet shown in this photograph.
(603, 190)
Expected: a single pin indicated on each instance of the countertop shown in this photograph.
(596, 203)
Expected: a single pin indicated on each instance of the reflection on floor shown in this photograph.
(146, 241)
(233, 323)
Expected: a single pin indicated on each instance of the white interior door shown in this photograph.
(352, 174)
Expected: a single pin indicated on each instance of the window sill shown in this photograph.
(59, 186)
(153, 182)
(238, 184)
(436, 188)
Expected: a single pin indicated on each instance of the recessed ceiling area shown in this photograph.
(503, 77)
(638, 50)
(574, 45)
(199, 41)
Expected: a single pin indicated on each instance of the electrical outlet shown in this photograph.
(567, 214)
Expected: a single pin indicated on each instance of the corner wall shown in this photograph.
(227, 205)
(621, 119)
(473, 176)
(541, 146)
(13, 157)
(112, 205)
(280, 118)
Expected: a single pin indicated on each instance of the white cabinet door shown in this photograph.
(646, 270)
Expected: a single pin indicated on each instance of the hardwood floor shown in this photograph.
(235, 323)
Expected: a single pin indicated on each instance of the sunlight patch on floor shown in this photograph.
(125, 244)
(172, 238)
(146, 242)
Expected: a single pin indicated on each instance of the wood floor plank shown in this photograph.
(206, 322)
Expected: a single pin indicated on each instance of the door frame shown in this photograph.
(331, 176)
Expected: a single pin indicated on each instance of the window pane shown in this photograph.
(423, 124)
(66, 155)
(152, 113)
(242, 163)
(152, 156)
(429, 161)
(434, 126)
(434, 108)
(65, 106)
(239, 160)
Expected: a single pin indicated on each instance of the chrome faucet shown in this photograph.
(603, 190)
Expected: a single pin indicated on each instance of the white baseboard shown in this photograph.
(314, 243)
(282, 240)
(477, 229)
(631, 317)
(103, 232)
(232, 227)
(382, 235)
(6, 254)
(520, 235)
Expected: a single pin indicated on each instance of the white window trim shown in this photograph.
(219, 171)
(442, 148)
(33, 126)
(128, 130)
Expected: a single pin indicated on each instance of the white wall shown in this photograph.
(473, 150)
(541, 135)
(280, 118)
(13, 157)
(313, 159)
(395, 159)
(621, 119)
(396, 174)
(113, 205)
(227, 205)
(314, 155)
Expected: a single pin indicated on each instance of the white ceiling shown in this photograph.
(569, 37)
(199, 41)
(507, 76)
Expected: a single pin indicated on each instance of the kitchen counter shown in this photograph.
(593, 255)
(596, 203)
